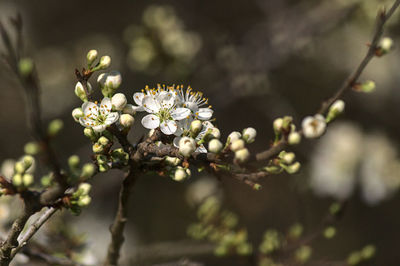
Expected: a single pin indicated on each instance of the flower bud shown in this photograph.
(73, 161)
(287, 157)
(313, 126)
(91, 56)
(286, 122)
(242, 155)
(89, 132)
(368, 86)
(215, 146)
(180, 174)
(77, 113)
(187, 146)
(119, 101)
(233, 136)
(329, 232)
(88, 170)
(27, 180)
(97, 148)
(105, 62)
(195, 127)
(28, 161)
(293, 168)
(84, 188)
(294, 138)
(25, 66)
(31, 148)
(84, 201)
(55, 127)
(215, 133)
(237, 145)
(103, 141)
(335, 110)
(249, 134)
(113, 80)
(80, 91)
(17, 180)
(129, 109)
(126, 120)
(385, 46)
(278, 123)
(173, 161)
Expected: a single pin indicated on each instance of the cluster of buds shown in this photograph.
(220, 227)
(76, 172)
(23, 169)
(284, 128)
(80, 198)
(109, 82)
(284, 162)
(237, 141)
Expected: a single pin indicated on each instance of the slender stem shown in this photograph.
(33, 229)
(117, 228)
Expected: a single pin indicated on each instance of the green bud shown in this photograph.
(46, 180)
(303, 254)
(84, 188)
(17, 180)
(80, 92)
(273, 169)
(287, 157)
(335, 208)
(293, 168)
(31, 148)
(27, 180)
(55, 127)
(335, 110)
(368, 86)
(19, 167)
(368, 252)
(89, 132)
(88, 170)
(329, 232)
(354, 258)
(257, 186)
(105, 62)
(103, 141)
(25, 67)
(84, 201)
(244, 249)
(295, 231)
(221, 250)
(28, 160)
(97, 148)
(91, 56)
(101, 159)
(104, 167)
(73, 161)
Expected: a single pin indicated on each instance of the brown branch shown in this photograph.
(35, 226)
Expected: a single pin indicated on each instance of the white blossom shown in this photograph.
(314, 126)
(193, 100)
(98, 117)
(163, 113)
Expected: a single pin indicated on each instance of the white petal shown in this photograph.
(90, 109)
(192, 106)
(150, 104)
(180, 113)
(204, 113)
(176, 141)
(150, 121)
(105, 106)
(111, 118)
(99, 128)
(137, 108)
(168, 127)
(201, 149)
(138, 97)
(167, 100)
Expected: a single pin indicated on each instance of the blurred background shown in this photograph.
(255, 60)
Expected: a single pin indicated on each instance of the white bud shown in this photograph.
(338, 106)
(294, 138)
(84, 188)
(180, 174)
(105, 62)
(103, 141)
(119, 101)
(126, 120)
(84, 201)
(242, 155)
(237, 145)
(288, 157)
(215, 133)
(187, 146)
(278, 124)
(17, 180)
(234, 136)
(215, 146)
(113, 80)
(386, 45)
(249, 134)
(174, 161)
(293, 168)
(314, 126)
(27, 180)
(91, 56)
(195, 126)
(129, 109)
(77, 113)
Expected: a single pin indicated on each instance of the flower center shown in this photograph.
(164, 114)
